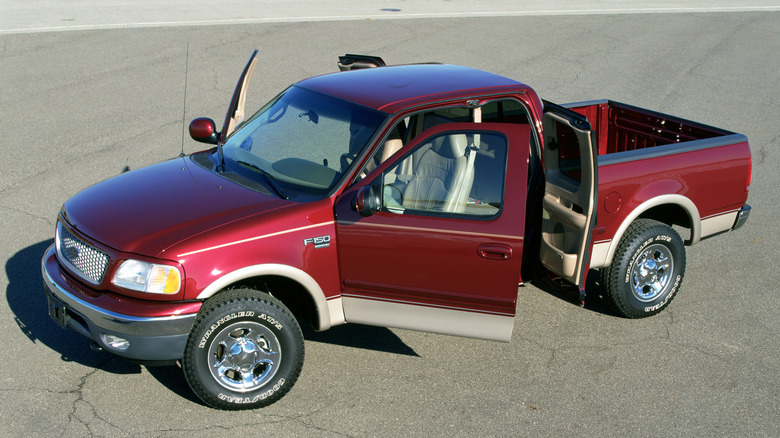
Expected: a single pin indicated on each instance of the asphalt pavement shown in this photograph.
(80, 104)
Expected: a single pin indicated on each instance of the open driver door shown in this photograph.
(570, 194)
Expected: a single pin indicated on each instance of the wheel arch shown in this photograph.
(670, 209)
(295, 288)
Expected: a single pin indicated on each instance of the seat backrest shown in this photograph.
(461, 186)
(438, 175)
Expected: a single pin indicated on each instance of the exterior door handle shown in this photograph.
(495, 251)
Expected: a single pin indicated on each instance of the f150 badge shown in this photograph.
(318, 242)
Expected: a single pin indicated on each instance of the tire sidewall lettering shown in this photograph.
(274, 323)
(640, 237)
(242, 310)
(668, 296)
(255, 398)
(227, 318)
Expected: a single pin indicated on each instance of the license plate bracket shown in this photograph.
(57, 310)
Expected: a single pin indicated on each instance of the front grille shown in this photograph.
(80, 257)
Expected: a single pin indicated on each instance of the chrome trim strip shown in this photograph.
(237, 242)
(417, 303)
(434, 230)
(113, 321)
(720, 214)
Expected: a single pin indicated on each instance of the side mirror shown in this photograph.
(366, 202)
(204, 130)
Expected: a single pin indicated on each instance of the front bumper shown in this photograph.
(149, 339)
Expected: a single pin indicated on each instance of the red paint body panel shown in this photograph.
(715, 177)
(398, 87)
(275, 237)
(716, 181)
(435, 260)
(147, 210)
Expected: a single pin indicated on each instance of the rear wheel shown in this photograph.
(647, 269)
(245, 351)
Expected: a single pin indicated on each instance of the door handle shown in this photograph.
(495, 251)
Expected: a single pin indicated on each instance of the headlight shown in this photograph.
(147, 277)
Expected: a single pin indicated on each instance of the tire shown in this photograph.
(647, 269)
(245, 351)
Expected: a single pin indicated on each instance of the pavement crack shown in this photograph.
(46, 219)
(84, 414)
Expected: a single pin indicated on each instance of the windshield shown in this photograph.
(301, 142)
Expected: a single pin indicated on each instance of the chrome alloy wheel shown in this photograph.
(651, 272)
(244, 356)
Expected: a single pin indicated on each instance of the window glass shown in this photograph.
(453, 172)
(568, 151)
(298, 140)
(504, 111)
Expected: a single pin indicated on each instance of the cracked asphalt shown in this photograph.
(78, 107)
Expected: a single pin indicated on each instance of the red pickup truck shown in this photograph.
(412, 196)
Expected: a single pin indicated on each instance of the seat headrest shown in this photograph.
(458, 144)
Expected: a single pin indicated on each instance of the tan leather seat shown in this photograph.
(440, 181)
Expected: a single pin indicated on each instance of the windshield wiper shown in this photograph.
(268, 177)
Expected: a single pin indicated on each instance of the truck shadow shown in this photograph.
(595, 300)
(28, 303)
(348, 335)
(365, 337)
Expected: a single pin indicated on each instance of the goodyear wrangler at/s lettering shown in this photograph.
(647, 270)
(245, 351)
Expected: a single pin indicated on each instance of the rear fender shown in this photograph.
(604, 252)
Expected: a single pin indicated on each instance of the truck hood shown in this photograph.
(148, 210)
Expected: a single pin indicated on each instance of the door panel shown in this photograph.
(450, 264)
(570, 193)
(235, 113)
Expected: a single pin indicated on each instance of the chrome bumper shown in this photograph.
(742, 217)
(150, 338)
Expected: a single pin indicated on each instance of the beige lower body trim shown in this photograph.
(598, 257)
(336, 310)
(428, 319)
(718, 224)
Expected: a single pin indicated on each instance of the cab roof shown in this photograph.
(393, 88)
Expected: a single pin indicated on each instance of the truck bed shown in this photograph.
(647, 159)
(621, 128)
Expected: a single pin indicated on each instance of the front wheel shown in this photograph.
(245, 351)
(647, 269)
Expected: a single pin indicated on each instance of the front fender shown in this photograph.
(330, 312)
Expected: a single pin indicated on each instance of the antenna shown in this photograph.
(184, 108)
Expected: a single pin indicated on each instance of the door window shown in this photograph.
(454, 172)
